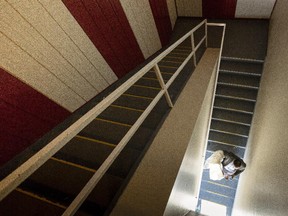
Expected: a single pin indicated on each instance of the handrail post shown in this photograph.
(206, 41)
(193, 48)
(162, 84)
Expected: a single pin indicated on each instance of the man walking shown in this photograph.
(232, 165)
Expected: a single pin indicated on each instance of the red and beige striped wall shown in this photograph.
(256, 9)
(55, 55)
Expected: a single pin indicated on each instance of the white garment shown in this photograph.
(213, 163)
(230, 169)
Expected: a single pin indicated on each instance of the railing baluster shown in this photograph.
(206, 42)
(162, 84)
(193, 49)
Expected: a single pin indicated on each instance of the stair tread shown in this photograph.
(241, 65)
(230, 116)
(214, 146)
(216, 198)
(229, 127)
(234, 104)
(91, 155)
(10, 206)
(239, 79)
(227, 138)
(234, 91)
(214, 186)
(71, 181)
(113, 133)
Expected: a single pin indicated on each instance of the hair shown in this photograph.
(237, 163)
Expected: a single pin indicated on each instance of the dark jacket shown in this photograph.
(228, 158)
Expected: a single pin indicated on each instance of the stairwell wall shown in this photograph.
(262, 188)
(56, 55)
(218, 9)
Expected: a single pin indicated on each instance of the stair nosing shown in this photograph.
(237, 85)
(221, 185)
(227, 132)
(236, 98)
(233, 110)
(260, 61)
(240, 72)
(228, 144)
(233, 122)
(38, 197)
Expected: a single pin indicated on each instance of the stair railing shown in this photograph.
(13, 180)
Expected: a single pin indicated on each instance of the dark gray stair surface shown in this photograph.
(236, 92)
(239, 78)
(56, 183)
(231, 103)
(231, 116)
(219, 125)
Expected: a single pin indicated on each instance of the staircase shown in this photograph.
(234, 103)
(52, 188)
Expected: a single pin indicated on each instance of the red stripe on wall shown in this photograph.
(219, 8)
(10, 146)
(106, 25)
(25, 114)
(162, 19)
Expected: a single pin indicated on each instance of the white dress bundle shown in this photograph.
(213, 163)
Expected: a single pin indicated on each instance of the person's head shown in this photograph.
(237, 163)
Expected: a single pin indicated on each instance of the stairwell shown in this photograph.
(235, 99)
(50, 189)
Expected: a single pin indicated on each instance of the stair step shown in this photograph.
(230, 127)
(113, 133)
(140, 92)
(214, 186)
(237, 92)
(70, 182)
(30, 205)
(118, 114)
(214, 146)
(237, 78)
(242, 65)
(216, 198)
(91, 155)
(227, 138)
(231, 116)
(148, 82)
(228, 183)
(170, 63)
(234, 104)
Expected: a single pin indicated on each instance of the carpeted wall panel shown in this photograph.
(161, 16)
(26, 115)
(109, 30)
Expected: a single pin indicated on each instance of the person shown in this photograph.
(224, 164)
(232, 165)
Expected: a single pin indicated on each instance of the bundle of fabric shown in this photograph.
(213, 163)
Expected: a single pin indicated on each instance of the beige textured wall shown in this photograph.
(189, 8)
(141, 20)
(43, 45)
(263, 186)
(172, 11)
(186, 187)
(148, 190)
(254, 8)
